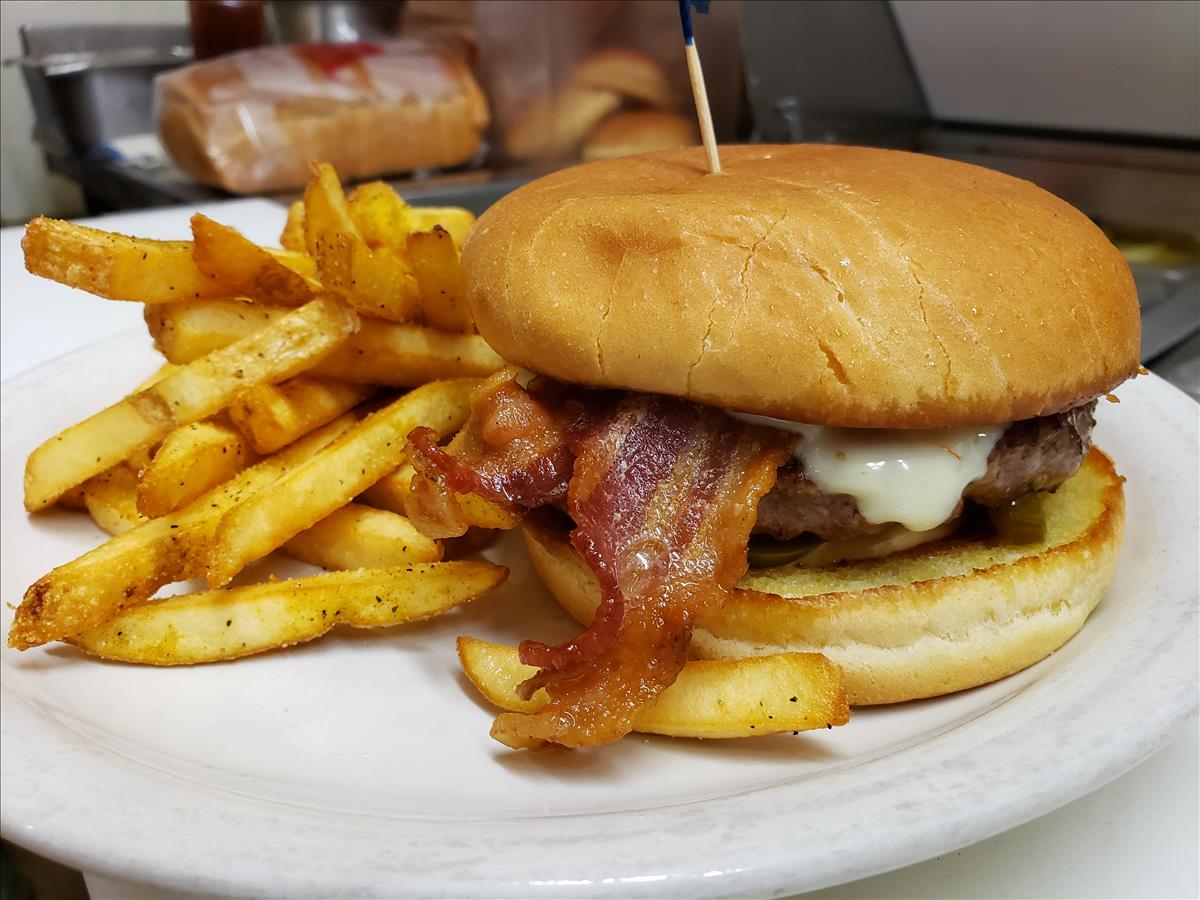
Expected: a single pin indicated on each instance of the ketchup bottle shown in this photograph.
(223, 26)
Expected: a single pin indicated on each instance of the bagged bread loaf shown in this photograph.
(251, 121)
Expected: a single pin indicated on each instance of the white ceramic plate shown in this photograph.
(361, 764)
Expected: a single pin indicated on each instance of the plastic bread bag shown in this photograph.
(250, 122)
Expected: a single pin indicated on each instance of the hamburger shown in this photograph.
(831, 399)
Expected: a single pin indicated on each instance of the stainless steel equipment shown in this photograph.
(335, 21)
(93, 84)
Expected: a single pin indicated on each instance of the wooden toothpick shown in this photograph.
(699, 93)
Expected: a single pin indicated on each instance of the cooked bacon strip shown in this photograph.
(514, 451)
(663, 494)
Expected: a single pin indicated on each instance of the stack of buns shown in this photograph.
(617, 102)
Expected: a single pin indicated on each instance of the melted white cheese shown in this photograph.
(912, 476)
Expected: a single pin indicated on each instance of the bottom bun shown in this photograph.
(939, 618)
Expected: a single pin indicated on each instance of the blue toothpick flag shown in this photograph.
(699, 94)
(685, 16)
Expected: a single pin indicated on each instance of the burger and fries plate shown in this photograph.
(360, 763)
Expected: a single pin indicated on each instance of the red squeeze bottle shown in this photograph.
(223, 26)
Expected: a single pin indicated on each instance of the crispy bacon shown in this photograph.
(663, 494)
(513, 451)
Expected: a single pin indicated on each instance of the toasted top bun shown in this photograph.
(825, 284)
(640, 131)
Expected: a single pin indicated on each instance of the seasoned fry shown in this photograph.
(192, 460)
(709, 699)
(391, 493)
(377, 283)
(333, 477)
(455, 220)
(273, 415)
(113, 265)
(73, 499)
(360, 537)
(326, 212)
(385, 353)
(131, 567)
(221, 625)
(288, 346)
(292, 237)
(380, 213)
(111, 499)
(243, 269)
(443, 296)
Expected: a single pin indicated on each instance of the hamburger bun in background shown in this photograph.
(640, 131)
(839, 287)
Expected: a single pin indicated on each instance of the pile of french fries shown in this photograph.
(279, 422)
(292, 379)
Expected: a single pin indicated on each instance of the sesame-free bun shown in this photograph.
(936, 619)
(629, 73)
(827, 284)
(640, 131)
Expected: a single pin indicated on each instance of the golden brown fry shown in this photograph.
(360, 537)
(443, 295)
(333, 477)
(386, 353)
(273, 415)
(167, 368)
(292, 237)
(709, 699)
(192, 460)
(111, 499)
(288, 346)
(131, 567)
(73, 499)
(380, 213)
(377, 283)
(113, 265)
(455, 220)
(325, 210)
(220, 625)
(391, 493)
(243, 269)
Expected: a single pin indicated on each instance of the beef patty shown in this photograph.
(1031, 455)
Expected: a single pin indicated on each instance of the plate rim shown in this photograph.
(80, 846)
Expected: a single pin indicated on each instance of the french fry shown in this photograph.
(455, 220)
(710, 698)
(243, 269)
(443, 296)
(273, 415)
(332, 477)
(360, 537)
(375, 282)
(192, 460)
(221, 625)
(391, 493)
(113, 265)
(385, 353)
(110, 498)
(292, 237)
(325, 209)
(73, 499)
(381, 215)
(288, 346)
(131, 567)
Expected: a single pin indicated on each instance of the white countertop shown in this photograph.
(1136, 837)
